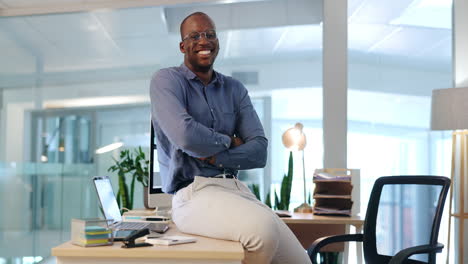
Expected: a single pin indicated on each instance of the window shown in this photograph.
(398, 52)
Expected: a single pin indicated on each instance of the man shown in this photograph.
(207, 129)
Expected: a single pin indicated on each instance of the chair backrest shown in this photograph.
(403, 211)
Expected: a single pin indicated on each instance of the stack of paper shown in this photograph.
(323, 176)
(334, 206)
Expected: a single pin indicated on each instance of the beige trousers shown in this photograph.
(227, 209)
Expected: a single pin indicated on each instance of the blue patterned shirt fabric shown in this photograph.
(194, 121)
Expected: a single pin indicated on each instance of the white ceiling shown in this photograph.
(136, 41)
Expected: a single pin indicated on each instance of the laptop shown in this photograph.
(111, 210)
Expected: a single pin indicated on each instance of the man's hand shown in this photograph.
(235, 142)
(211, 160)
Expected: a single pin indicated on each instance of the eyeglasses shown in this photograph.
(196, 36)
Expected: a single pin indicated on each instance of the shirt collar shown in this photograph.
(192, 76)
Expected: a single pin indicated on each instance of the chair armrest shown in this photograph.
(323, 241)
(404, 254)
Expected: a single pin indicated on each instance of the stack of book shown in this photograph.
(332, 194)
(91, 232)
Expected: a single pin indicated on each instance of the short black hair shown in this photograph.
(189, 16)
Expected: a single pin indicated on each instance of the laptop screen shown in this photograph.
(107, 198)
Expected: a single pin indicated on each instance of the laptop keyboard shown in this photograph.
(132, 225)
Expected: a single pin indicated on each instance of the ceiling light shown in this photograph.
(96, 101)
(44, 158)
(109, 147)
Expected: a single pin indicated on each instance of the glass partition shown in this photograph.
(38, 202)
(71, 83)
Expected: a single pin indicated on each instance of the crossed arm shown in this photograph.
(235, 142)
(245, 151)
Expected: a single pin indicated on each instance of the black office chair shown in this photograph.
(399, 206)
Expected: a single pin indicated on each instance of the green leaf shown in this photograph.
(123, 189)
(268, 200)
(285, 188)
(289, 181)
(255, 190)
(132, 191)
(278, 205)
(283, 191)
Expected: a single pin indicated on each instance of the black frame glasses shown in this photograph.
(196, 36)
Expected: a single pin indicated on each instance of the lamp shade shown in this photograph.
(449, 109)
(294, 138)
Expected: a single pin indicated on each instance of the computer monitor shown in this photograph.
(156, 197)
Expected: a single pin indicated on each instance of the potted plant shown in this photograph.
(281, 202)
(134, 165)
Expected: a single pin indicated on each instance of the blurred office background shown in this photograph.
(72, 82)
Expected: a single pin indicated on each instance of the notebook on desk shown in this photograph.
(111, 210)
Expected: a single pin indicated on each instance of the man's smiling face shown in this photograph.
(200, 53)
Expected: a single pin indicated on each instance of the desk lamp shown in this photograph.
(449, 111)
(294, 139)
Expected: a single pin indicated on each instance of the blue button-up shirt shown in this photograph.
(193, 121)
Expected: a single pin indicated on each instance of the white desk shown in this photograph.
(307, 227)
(205, 250)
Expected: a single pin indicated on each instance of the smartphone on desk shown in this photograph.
(155, 228)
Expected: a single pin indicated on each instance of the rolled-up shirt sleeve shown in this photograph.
(253, 153)
(167, 108)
